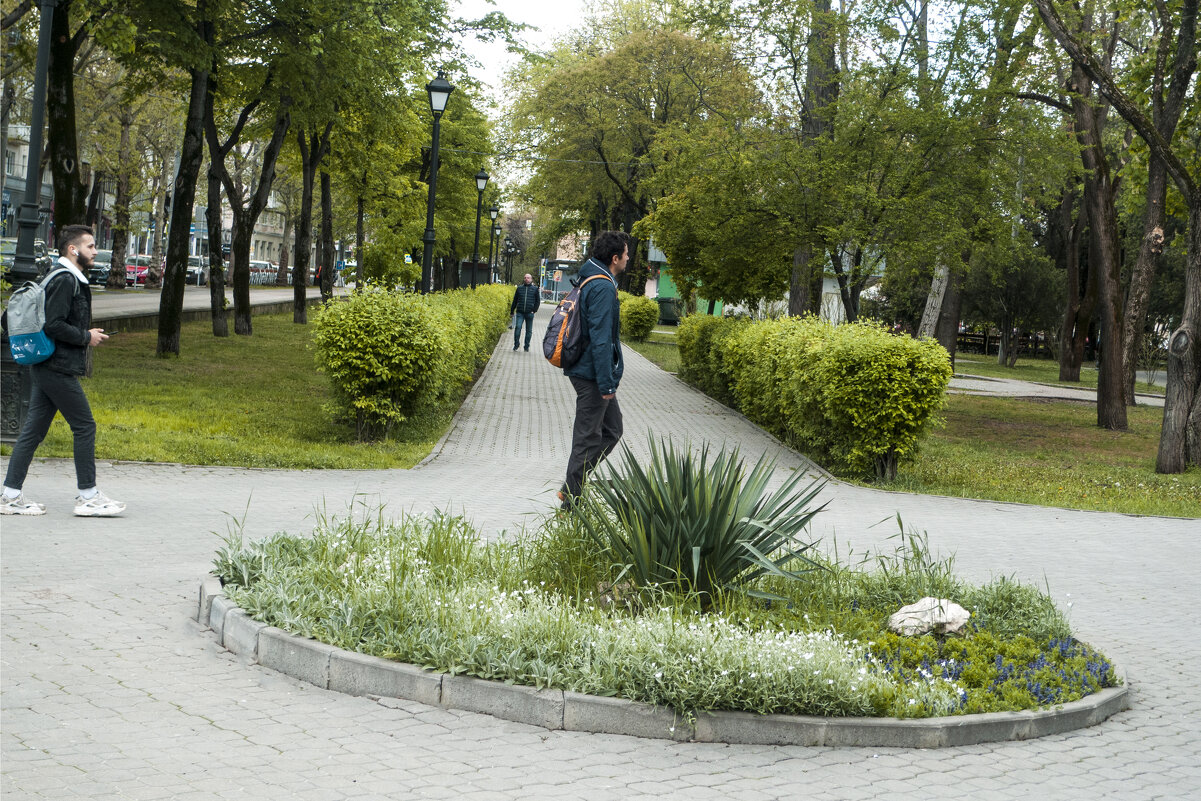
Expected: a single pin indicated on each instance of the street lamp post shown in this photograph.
(16, 385)
(495, 238)
(481, 182)
(439, 91)
(492, 212)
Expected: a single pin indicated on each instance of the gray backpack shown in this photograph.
(27, 320)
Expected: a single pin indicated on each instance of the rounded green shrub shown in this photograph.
(389, 353)
(639, 315)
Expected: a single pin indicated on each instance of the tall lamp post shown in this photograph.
(16, 385)
(439, 91)
(481, 182)
(510, 249)
(495, 238)
(492, 212)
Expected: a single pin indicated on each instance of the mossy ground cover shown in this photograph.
(544, 609)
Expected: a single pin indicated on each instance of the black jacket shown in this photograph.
(68, 318)
(526, 299)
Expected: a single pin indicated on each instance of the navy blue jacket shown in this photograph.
(525, 299)
(601, 361)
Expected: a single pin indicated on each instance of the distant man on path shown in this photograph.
(525, 302)
(56, 385)
(598, 372)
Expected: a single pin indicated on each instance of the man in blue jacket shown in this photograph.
(598, 372)
(56, 388)
(525, 303)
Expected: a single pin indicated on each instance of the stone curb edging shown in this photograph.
(353, 673)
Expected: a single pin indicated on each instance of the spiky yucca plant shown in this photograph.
(700, 524)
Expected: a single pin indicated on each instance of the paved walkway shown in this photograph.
(1014, 388)
(123, 302)
(109, 691)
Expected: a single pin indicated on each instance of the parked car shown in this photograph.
(198, 271)
(42, 260)
(136, 268)
(98, 274)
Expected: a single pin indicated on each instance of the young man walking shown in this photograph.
(525, 303)
(596, 375)
(56, 386)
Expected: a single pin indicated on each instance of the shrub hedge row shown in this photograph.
(853, 396)
(389, 353)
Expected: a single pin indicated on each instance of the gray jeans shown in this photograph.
(595, 434)
(53, 392)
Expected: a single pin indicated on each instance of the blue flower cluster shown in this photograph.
(1047, 680)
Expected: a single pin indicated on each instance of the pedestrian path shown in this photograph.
(1015, 388)
(109, 691)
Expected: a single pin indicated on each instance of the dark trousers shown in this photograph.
(518, 319)
(595, 434)
(53, 392)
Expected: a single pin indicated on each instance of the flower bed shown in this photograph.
(546, 609)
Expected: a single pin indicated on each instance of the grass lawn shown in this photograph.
(1043, 371)
(244, 401)
(1049, 453)
(1043, 452)
(661, 348)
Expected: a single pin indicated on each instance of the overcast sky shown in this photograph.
(552, 17)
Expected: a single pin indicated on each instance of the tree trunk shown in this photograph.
(1080, 299)
(359, 240)
(191, 154)
(938, 288)
(304, 227)
(121, 204)
(70, 191)
(281, 277)
(946, 331)
(1143, 274)
(1103, 224)
(1180, 437)
(216, 277)
(327, 238)
(160, 218)
(95, 198)
(239, 258)
(822, 84)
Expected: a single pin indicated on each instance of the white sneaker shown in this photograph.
(99, 505)
(21, 505)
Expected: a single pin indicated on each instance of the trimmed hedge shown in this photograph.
(853, 396)
(639, 314)
(388, 353)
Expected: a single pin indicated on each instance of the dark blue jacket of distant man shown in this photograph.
(601, 361)
(526, 299)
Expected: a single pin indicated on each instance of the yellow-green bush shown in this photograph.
(703, 341)
(853, 396)
(389, 353)
(639, 314)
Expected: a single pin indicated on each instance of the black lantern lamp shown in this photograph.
(439, 91)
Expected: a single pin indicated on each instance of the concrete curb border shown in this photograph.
(352, 673)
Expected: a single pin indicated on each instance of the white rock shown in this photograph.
(929, 614)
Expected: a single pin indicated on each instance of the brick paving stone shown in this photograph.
(106, 680)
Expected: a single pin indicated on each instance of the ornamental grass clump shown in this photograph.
(699, 523)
